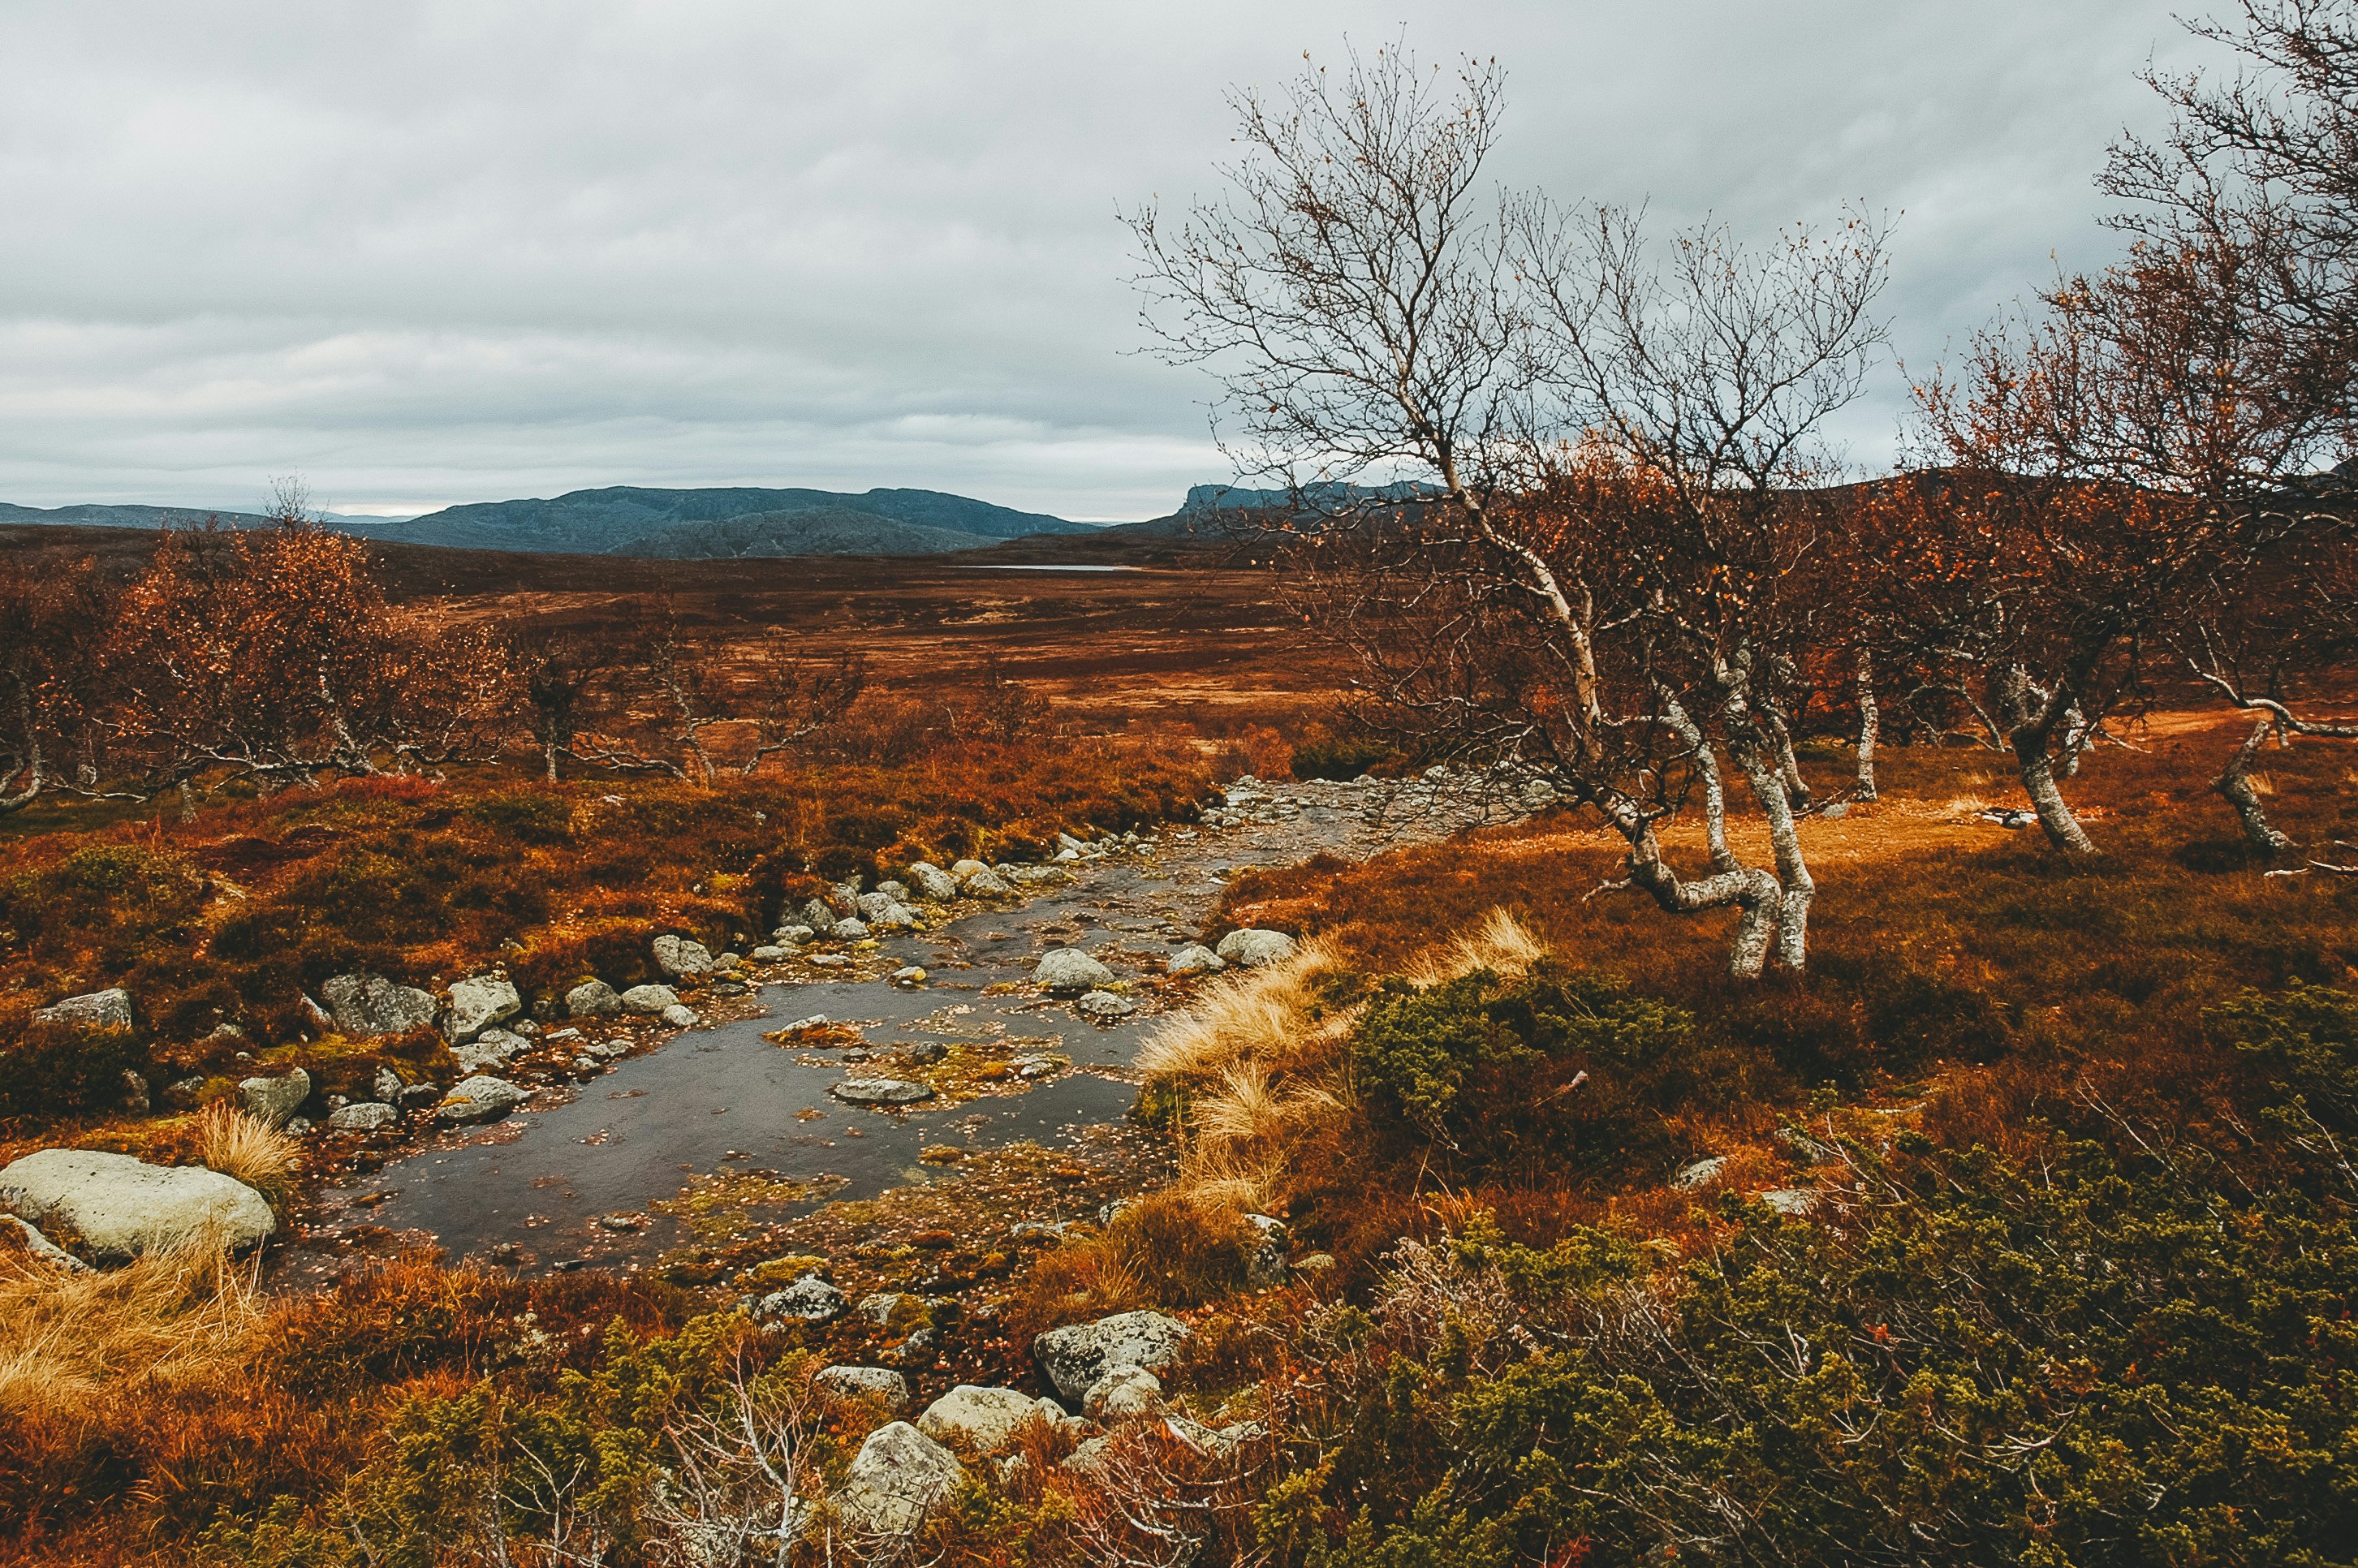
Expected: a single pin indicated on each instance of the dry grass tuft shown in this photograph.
(1255, 1016)
(247, 1147)
(72, 1344)
(1501, 946)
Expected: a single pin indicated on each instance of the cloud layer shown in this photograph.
(426, 252)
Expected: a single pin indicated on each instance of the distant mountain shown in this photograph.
(614, 519)
(1324, 497)
(818, 531)
(672, 525)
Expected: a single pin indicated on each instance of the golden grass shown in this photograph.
(247, 1147)
(71, 1344)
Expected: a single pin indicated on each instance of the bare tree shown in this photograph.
(1372, 314)
(49, 622)
(793, 694)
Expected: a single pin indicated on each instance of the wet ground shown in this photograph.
(733, 1122)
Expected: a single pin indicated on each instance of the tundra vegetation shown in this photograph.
(1986, 1197)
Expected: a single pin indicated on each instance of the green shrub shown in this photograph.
(2303, 1040)
(1497, 1078)
(529, 816)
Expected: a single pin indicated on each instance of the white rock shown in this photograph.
(124, 1207)
(492, 1048)
(880, 1091)
(1690, 1177)
(366, 1004)
(649, 1000)
(1105, 1006)
(93, 1010)
(881, 1384)
(679, 1016)
(1194, 959)
(1076, 1356)
(809, 1299)
(364, 1116)
(42, 1249)
(275, 1100)
(1794, 1203)
(898, 1478)
(1070, 969)
(932, 883)
(987, 1417)
(1252, 947)
(479, 1098)
(478, 1002)
(678, 956)
(592, 999)
(1125, 1393)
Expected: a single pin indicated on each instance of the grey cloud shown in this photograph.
(436, 253)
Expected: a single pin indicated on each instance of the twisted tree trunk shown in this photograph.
(2234, 785)
(1870, 725)
(2028, 718)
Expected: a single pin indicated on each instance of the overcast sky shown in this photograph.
(426, 254)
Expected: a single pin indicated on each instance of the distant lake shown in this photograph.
(967, 566)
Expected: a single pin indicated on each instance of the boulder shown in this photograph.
(881, 1384)
(1252, 948)
(492, 1048)
(932, 883)
(849, 930)
(93, 1010)
(769, 953)
(793, 936)
(479, 1098)
(389, 1084)
(678, 1015)
(881, 911)
(1076, 1358)
(592, 999)
(1105, 1007)
(1194, 959)
(1068, 969)
(819, 916)
(880, 1091)
(985, 884)
(275, 1100)
(478, 1002)
(897, 1479)
(961, 869)
(809, 1300)
(124, 1207)
(987, 1417)
(364, 1116)
(679, 958)
(649, 1000)
(1125, 1393)
(1703, 1171)
(365, 1004)
(40, 1247)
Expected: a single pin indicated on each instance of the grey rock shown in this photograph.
(932, 883)
(679, 1016)
(793, 936)
(849, 930)
(678, 957)
(1076, 1356)
(1700, 1174)
(909, 975)
(492, 1048)
(418, 1096)
(592, 999)
(108, 1008)
(809, 1300)
(880, 1091)
(1194, 959)
(124, 1207)
(275, 1100)
(879, 1307)
(134, 1093)
(42, 1249)
(986, 884)
(830, 961)
(769, 953)
(961, 869)
(365, 1004)
(819, 916)
(1838, 809)
(478, 1002)
(389, 1084)
(363, 1116)
(479, 1098)
(1125, 1393)
(882, 912)
(895, 1481)
(649, 1000)
(318, 1017)
(881, 1384)
(987, 1417)
(893, 888)
(1251, 948)
(725, 961)
(1105, 1006)
(1068, 969)
(1794, 1203)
